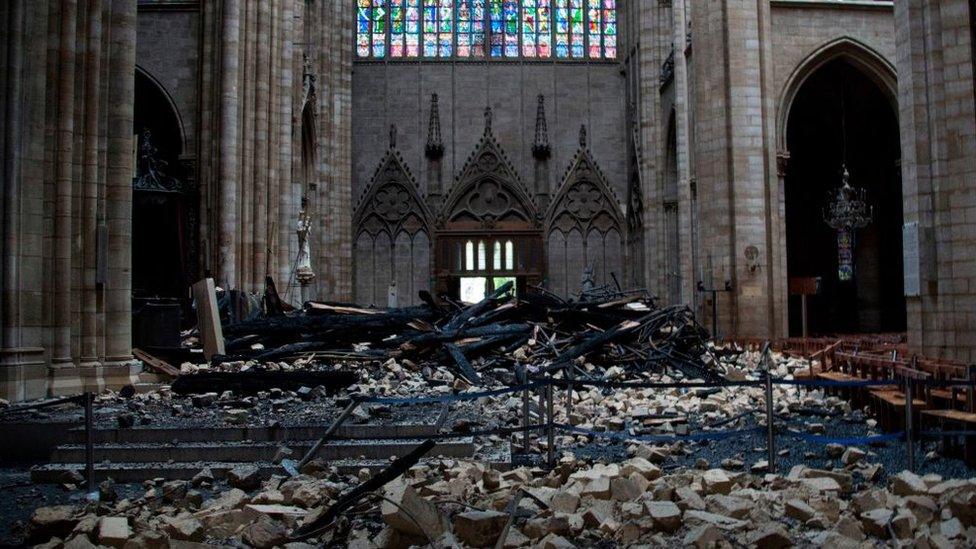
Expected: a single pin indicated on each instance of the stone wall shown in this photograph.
(168, 51)
(575, 94)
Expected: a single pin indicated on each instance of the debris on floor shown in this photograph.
(657, 438)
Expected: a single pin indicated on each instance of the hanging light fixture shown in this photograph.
(847, 208)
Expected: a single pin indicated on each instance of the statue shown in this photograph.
(392, 295)
(586, 281)
(303, 270)
(151, 172)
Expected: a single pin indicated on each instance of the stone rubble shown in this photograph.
(835, 499)
(449, 502)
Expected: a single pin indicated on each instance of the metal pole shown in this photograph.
(89, 443)
(715, 314)
(803, 312)
(970, 391)
(520, 374)
(770, 429)
(328, 433)
(569, 393)
(550, 429)
(909, 414)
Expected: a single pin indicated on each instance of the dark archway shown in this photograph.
(873, 301)
(164, 203)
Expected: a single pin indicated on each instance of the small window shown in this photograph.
(482, 253)
(473, 288)
(469, 256)
(510, 255)
(497, 263)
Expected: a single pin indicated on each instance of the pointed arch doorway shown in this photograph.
(843, 113)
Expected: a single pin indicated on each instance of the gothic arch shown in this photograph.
(164, 94)
(488, 206)
(586, 220)
(392, 234)
(488, 192)
(867, 60)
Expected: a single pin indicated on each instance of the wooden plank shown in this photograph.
(953, 415)
(897, 398)
(157, 364)
(208, 318)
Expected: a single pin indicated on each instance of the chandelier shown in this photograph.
(847, 207)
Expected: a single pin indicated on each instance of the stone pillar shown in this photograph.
(262, 134)
(89, 350)
(735, 160)
(652, 20)
(683, 154)
(118, 287)
(228, 184)
(61, 334)
(67, 149)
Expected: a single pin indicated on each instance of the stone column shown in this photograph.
(288, 122)
(262, 134)
(118, 287)
(90, 186)
(683, 154)
(61, 333)
(228, 183)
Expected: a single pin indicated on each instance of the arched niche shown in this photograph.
(586, 218)
(391, 232)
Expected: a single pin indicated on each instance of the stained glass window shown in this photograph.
(565, 29)
(536, 28)
(364, 15)
(413, 28)
(497, 31)
(595, 18)
(610, 29)
(445, 18)
(379, 28)
(511, 28)
(397, 27)
(577, 28)
(470, 28)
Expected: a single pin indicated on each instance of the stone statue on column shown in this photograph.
(303, 270)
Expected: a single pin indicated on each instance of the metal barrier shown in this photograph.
(86, 400)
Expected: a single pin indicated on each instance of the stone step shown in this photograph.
(53, 473)
(248, 452)
(149, 435)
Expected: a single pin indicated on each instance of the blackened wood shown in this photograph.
(253, 381)
(377, 481)
(272, 301)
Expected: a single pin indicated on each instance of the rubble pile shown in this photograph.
(487, 338)
(639, 460)
(457, 503)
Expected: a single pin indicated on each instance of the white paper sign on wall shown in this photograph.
(910, 251)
